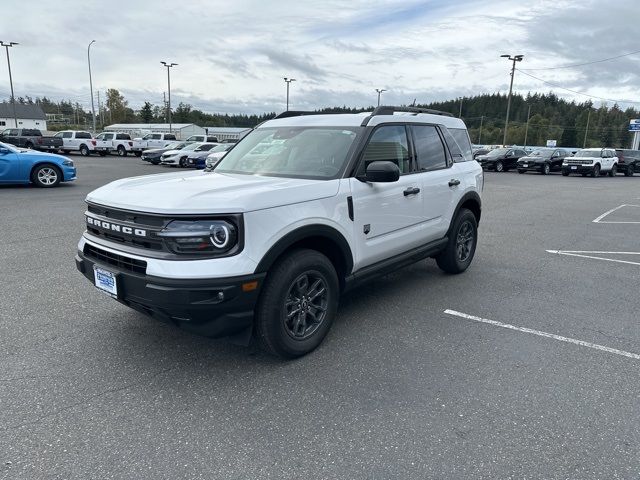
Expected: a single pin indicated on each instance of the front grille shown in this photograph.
(119, 261)
(579, 162)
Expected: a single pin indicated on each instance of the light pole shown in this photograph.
(288, 81)
(169, 65)
(13, 98)
(380, 90)
(526, 130)
(514, 59)
(93, 109)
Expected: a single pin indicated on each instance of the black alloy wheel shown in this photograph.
(305, 305)
(461, 247)
(499, 166)
(545, 169)
(596, 171)
(614, 171)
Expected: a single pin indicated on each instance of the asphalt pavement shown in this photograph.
(399, 389)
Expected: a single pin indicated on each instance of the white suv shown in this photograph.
(592, 161)
(302, 209)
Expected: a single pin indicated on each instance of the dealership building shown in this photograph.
(29, 116)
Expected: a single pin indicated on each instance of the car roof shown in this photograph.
(356, 119)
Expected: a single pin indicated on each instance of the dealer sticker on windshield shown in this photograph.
(105, 281)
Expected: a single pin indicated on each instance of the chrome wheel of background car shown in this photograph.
(464, 241)
(306, 305)
(499, 166)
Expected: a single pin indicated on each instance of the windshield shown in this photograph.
(541, 153)
(205, 148)
(588, 153)
(221, 148)
(9, 147)
(296, 152)
(497, 152)
(175, 146)
(191, 146)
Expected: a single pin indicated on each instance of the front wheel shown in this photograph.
(613, 171)
(84, 151)
(565, 173)
(499, 166)
(596, 171)
(461, 247)
(298, 304)
(46, 176)
(183, 162)
(545, 169)
(521, 171)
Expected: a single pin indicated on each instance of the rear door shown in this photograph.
(388, 217)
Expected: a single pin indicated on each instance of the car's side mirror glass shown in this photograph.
(382, 171)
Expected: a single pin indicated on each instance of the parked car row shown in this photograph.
(187, 154)
(587, 161)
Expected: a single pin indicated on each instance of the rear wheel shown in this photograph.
(460, 249)
(565, 173)
(46, 176)
(629, 172)
(298, 304)
(138, 154)
(613, 171)
(122, 152)
(499, 166)
(521, 171)
(84, 151)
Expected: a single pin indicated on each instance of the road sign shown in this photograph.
(551, 143)
(634, 127)
(634, 121)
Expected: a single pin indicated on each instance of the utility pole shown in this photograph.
(288, 81)
(584, 144)
(480, 132)
(164, 102)
(93, 110)
(169, 65)
(514, 59)
(13, 98)
(99, 109)
(460, 114)
(380, 90)
(526, 130)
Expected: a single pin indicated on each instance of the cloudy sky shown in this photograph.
(233, 56)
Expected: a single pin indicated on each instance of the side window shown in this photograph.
(155, 136)
(108, 136)
(388, 143)
(462, 139)
(429, 148)
(67, 134)
(83, 135)
(169, 136)
(455, 149)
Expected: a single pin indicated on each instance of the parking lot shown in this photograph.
(525, 366)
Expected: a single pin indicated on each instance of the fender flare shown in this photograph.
(473, 196)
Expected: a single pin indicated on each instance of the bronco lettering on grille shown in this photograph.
(138, 232)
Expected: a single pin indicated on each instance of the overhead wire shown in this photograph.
(583, 64)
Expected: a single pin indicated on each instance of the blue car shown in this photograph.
(18, 165)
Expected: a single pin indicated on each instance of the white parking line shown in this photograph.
(539, 333)
(599, 219)
(581, 254)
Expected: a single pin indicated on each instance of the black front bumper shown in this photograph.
(531, 168)
(579, 169)
(211, 307)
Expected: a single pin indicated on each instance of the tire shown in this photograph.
(102, 154)
(521, 171)
(629, 172)
(46, 176)
(499, 167)
(122, 152)
(596, 171)
(545, 169)
(288, 287)
(155, 162)
(28, 145)
(614, 170)
(138, 154)
(461, 248)
(66, 152)
(565, 173)
(182, 163)
(84, 151)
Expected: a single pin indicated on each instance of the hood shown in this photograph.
(171, 152)
(209, 193)
(534, 159)
(38, 154)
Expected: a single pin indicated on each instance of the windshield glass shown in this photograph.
(9, 147)
(541, 153)
(588, 153)
(191, 146)
(296, 152)
(175, 146)
(221, 148)
(497, 152)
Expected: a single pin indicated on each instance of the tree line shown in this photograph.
(571, 124)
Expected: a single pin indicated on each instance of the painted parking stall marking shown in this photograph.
(540, 333)
(593, 255)
(609, 212)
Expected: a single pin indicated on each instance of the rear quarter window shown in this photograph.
(461, 138)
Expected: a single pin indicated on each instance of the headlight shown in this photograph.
(200, 237)
(68, 163)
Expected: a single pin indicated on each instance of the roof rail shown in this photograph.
(294, 113)
(389, 110)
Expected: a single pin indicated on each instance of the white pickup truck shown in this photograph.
(77, 141)
(120, 143)
(152, 140)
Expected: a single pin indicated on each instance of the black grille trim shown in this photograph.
(119, 261)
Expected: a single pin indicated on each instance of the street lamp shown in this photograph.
(169, 65)
(288, 81)
(514, 59)
(380, 90)
(13, 98)
(93, 110)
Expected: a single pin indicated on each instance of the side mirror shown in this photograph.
(382, 171)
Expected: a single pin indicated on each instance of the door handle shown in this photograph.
(454, 182)
(411, 191)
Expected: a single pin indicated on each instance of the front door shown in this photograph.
(388, 217)
(10, 167)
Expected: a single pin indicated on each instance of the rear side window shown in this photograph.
(123, 136)
(67, 134)
(388, 143)
(429, 148)
(83, 135)
(155, 136)
(461, 137)
(170, 136)
(108, 136)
